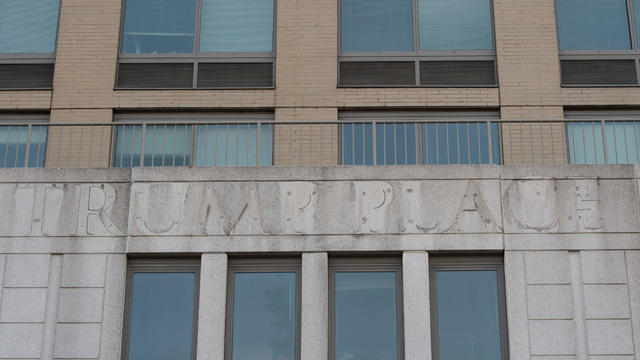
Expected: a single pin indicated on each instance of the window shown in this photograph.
(161, 310)
(22, 140)
(598, 41)
(403, 138)
(263, 309)
(193, 140)
(365, 309)
(468, 316)
(603, 137)
(197, 44)
(28, 32)
(416, 43)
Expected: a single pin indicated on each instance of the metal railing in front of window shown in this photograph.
(321, 143)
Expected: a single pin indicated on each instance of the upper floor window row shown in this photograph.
(598, 41)
(417, 43)
(197, 44)
(28, 32)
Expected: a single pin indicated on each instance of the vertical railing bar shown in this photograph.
(353, 144)
(237, 161)
(615, 141)
(446, 129)
(511, 141)
(404, 126)
(553, 152)
(321, 145)
(635, 137)
(206, 143)
(69, 147)
(311, 144)
(542, 140)
(479, 145)
(573, 137)
(564, 140)
(121, 140)
(468, 144)
(80, 152)
(26, 156)
(384, 144)
(626, 148)
(458, 140)
(15, 161)
(164, 143)
(595, 148)
(153, 146)
(215, 151)
(248, 139)
(90, 146)
(342, 149)
(175, 140)
(184, 144)
(417, 142)
(142, 144)
(603, 129)
(6, 148)
(521, 145)
(39, 142)
(437, 143)
(258, 143)
(226, 146)
(532, 148)
(59, 145)
(364, 144)
(584, 143)
(102, 137)
(395, 146)
(374, 142)
(133, 144)
(425, 126)
(489, 138)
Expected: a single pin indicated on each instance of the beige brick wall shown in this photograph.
(306, 85)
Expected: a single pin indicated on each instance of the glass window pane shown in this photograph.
(162, 316)
(13, 146)
(264, 316)
(28, 26)
(593, 25)
(376, 25)
(455, 25)
(164, 145)
(636, 16)
(460, 143)
(158, 26)
(468, 315)
(236, 25)
(365, 316)
(234, 145)
(586, 143)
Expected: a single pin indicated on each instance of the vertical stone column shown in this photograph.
(212, 306)
(417, 320)
(315, 307)
(51, 309)
(516, 293)
(113, 309)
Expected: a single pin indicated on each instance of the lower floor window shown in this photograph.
(610, 142)
(161, 313)
(467, 308)
(263, 310)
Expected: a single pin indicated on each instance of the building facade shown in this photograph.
(319, 179)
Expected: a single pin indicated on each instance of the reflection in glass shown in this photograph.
(28, 26)
(234, 145)
(376, 25)
(365, 316)
(236, 26)
(161, 316)
(13, 146)
(158, 26)
(420, 143)
(455, 25)
(164, 145)
(264, 316)
(468, 315)
(593, 25)
(586, 142)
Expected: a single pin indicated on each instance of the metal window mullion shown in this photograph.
(490, 141)
(144, 132)
(603, 128)
(632, 26)
(196, 37)
(373, 142)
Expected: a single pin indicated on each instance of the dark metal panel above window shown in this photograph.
(377, 73)
(235, 75)
(458, 73)
(26, 76)
(158, 75)
(598, 72)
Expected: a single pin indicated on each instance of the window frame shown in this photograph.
(261, 265)
(373, 264)
(34, 58)
(160, 265)
(417, 55)
(197, 57)
(408, 117)
(189, 119)
(468, 263)
(631, 54)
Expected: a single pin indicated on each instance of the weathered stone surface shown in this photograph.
(27, 271)
(603, 267)
(516, 298)
(609, 337)
(79, 341)
(606, 301)
(80, 305)
(112, 312)
(549, 267)
(315, 308)
(212, 306)
(580, 205)
(552, 337)
(20, 341)
(23, 305)
(549, 302)
(417, 324)
(83, 270)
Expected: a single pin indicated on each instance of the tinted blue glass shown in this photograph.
(376, 25)
(161, 316)
(365, 316)
(234, 145)
(593, 25)
(395, 143)
(13, 146)
(460, 143)
(636, 15)
(455, 25)
(264, 316)
(236, 25)
(164, 145)
(159, 26)
(586, 143)
(468, 315)
(28, 26)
